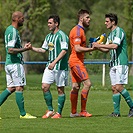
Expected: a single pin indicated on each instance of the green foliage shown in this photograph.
(37, 11)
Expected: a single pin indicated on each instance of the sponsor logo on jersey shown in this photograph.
(77, 40)
(50, 46)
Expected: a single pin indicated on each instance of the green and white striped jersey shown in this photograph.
(118, 56)
(12, 40)
(55, 43)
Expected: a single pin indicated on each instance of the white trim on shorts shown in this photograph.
(15, 75)
(60, 77)
(119, 74)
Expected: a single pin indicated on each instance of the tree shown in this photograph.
(34, 11)
(37, 11)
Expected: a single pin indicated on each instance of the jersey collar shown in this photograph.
(80, 26)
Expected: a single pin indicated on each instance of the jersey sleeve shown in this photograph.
(45, 45)
(76, 36)
(117, 40)
(118, 36)
(64, 45)
(11, 39)
(64, 42)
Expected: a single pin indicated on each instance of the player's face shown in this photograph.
(51, 25)
(20, 21)
(108, 23)
(86, 20)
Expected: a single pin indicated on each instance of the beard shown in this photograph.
(20, 24)
(85, 24)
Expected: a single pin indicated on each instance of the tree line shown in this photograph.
(36, 13)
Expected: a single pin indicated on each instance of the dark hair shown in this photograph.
(55, 18)
(112, 17)
(81, 12)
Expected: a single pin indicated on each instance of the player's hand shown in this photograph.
(51, 66)
(28, 46)
(95, 45)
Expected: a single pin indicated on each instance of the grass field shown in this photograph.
(99, 104)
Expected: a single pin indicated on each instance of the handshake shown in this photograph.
(28, 46)
(99, 39)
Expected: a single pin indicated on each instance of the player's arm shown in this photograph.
(38, 50)
(104, 48)
(12, 50)
(43, 49)
(59, 57)
(79, 48)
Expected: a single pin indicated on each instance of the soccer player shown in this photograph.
(56, 42)
(117, 45)
(15, 75)
(76, 62)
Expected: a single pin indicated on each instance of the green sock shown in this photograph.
(127, 97)
(4, 95)
(20, 102)
(61, 101)
(48, 100)
(116, 102)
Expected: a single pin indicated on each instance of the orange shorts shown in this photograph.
(79, 73)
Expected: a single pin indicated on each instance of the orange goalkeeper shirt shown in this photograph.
(76, 37)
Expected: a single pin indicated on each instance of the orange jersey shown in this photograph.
(76, 37)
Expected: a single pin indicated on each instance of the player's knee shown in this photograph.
(60, 90)
(87, 85)
(114, 89)
(18, 88)
(45, 88)
(75, 87)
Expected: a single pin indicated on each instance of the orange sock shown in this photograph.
(74, 101)
(84, 95)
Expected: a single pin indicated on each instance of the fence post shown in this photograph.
(103, 76)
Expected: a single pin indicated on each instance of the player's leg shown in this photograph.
(7, 92)
(74, 99)
(19, 81)
(76, 81)
(61, 77)
(47, 96)
(116, 102)
(116, 97)
(4, 95)
(47, 80)
(20, 100)
(128, 100)
(84, 97)
(61, 101)
(122, 78)
(48, 99)
(20, 103)
(81, 75)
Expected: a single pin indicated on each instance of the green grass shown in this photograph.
(99, 104)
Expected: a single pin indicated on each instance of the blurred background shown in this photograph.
(35, 29)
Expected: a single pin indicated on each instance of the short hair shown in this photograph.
(81, 12)
(112, 17)
(55, 18)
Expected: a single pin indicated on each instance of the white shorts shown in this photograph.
(58, 76)
(15, 75)
(119, 74)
